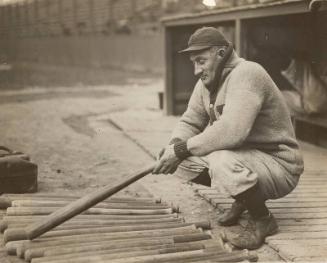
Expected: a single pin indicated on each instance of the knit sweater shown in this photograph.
(251, 114)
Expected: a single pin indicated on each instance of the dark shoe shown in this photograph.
(254, 234)
(231, 217)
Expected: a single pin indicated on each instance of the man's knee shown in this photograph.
(190, 168)
(221, 162)
(229, 174)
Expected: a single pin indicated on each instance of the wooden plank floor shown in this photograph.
(301, 215)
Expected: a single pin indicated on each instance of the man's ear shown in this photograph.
(221, 52)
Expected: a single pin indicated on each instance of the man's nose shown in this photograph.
(197, 70)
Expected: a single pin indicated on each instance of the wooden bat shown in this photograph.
(30, 252)
(60, 251)
(107, 205)
(117, 236)
(7, 200)
(26, 211)
(75, 223)
(107, 255)
(186, 256)
(65, 246)
(100, 217)
(83, 254)
(73, 209)
(110, 229)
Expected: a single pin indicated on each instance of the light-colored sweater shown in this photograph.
(254, 116)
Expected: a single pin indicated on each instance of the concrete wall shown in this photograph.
(131, 52)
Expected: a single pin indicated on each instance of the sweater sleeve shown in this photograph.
(195, 118)
(244, 98)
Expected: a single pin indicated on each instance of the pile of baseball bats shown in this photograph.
(52, 228)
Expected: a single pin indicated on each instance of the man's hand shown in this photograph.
(167, 161)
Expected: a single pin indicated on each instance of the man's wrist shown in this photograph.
(175, 140)
(181, 151)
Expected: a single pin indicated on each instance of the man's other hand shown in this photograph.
(168, 162)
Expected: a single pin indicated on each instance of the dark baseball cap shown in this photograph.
(203, 38)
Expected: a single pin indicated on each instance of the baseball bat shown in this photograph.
(110, 229)
(4, 224)
(15, 211)
(107, 205)
(7, 199)
(79, 250)
(190, 256)
(65, 246)
(89, 218)
(117, 236)
(82, 256)
(108, 255)
(73, 209)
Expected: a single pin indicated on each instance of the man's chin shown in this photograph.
(206, 85)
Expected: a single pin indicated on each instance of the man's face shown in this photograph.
(205, 65)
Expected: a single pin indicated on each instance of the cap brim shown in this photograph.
(194, 48)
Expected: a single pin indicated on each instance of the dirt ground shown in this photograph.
(66, 132)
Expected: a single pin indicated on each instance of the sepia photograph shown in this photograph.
(163, 131)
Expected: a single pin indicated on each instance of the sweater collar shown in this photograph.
(231, 63)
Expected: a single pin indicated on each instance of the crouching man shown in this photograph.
(238, 130)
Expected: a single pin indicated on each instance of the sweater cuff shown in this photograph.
(174, 140)
(181, 151)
